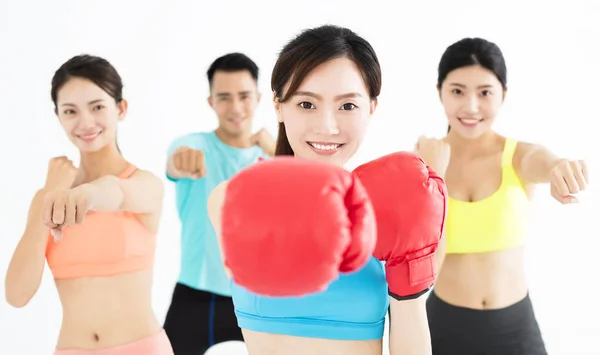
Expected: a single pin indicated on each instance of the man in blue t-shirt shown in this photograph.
(201, 313)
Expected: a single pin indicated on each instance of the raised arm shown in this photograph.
(142, 193)
(410, 201)
(536, 164)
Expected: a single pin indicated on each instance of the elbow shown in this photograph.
(15, 298)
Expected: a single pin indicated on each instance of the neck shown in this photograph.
(466, 147)
(106, 161)
(236, 141)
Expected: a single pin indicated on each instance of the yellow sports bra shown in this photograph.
(498, 222)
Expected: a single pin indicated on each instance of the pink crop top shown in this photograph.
(105, 244)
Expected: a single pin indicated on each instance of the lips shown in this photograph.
(470, 121)
(88, 137)
(324, 148)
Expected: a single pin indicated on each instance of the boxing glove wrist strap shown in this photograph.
(411, 277)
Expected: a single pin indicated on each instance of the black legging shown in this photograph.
(197, 320)
(463, 331)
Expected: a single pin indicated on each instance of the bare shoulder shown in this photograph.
(521, 150)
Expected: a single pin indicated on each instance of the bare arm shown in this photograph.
(215, 204)
(409, 327)
(142, 193)
(440, 253)
(533, 163)
(26, 267)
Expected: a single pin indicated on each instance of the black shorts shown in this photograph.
(197, 320)
(463, 331)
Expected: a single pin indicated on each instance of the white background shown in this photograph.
(163, 49)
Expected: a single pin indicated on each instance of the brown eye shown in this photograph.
(306, 105)
(348, 107)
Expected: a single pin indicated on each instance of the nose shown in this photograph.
(237, 107)
(327, 124)
(86, 120)
(473, 105)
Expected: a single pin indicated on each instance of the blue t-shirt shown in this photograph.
(201, 265)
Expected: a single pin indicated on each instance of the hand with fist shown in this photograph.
(409, 199)
(290, 226)
(435, 153)
(567, 178)
(264, 140)
(189, 162)
(62, 205)
(61, 174)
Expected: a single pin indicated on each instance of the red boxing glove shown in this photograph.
(410, 202)
(290, 226)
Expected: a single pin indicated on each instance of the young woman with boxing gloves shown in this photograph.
(95, 225)
(303, 238)
(480, 303)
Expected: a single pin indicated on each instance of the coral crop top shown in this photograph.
(105, 244)
(497, 222)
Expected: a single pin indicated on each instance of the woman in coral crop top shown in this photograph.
(95, 225)
(480, 303)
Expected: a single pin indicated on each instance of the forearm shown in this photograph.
(537, 164)
(105, 193)
(440, 254)
(409, 329)
(26, 267)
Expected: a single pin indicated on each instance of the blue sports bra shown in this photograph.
(352, 308)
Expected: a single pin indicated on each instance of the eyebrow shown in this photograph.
(89, 103)
(225, 94)
(486, 86)
(349, 95)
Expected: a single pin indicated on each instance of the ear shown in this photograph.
(258, 97)
(210, 101)
(122, 106)
(277, 105)
(56, 112)
(504, 94)
(373, 106)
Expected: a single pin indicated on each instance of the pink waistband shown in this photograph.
(157, 344)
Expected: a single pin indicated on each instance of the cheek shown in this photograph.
(295, 129)
(355, 128)
(492, 107)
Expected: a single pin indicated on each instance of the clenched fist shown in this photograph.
(435, 153)
(61, 174)
(65, 207)
(264, 140)
(568, 178)
(190, 162)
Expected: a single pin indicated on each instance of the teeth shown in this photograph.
(324, 146)
(469, 121)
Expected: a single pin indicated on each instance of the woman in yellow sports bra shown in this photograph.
(480, 303)
(95, 225)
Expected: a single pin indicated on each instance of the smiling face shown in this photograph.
(234, 97)
(327, 117)
(472, 97)
(88, 114)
